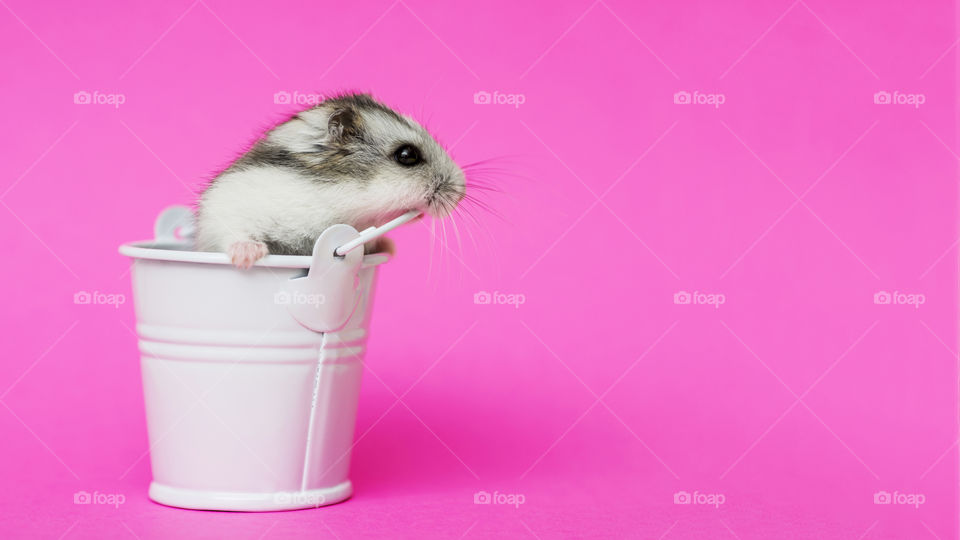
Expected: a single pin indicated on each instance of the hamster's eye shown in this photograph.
(407, 155)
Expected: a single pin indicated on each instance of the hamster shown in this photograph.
(350, 159)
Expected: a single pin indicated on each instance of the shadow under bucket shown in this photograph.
(251, 378)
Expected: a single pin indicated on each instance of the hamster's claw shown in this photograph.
(244, 254)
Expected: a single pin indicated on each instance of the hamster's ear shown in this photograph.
(344, 125)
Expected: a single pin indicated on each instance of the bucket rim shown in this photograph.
(179, 252)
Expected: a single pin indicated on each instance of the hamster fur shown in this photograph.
(350, 159)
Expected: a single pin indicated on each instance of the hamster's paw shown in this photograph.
(244, 254)
(380, 245)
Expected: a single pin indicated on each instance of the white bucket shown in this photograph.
(250, 377)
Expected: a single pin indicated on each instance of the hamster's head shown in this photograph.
(384, 161)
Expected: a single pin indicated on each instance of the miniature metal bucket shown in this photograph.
(250, 377)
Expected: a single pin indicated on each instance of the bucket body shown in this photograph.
(247, 409)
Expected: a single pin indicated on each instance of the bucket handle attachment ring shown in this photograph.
(174, 224)
(325, 299)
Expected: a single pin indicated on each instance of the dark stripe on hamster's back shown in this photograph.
(326, 163)
(265, 154)
(352, 161)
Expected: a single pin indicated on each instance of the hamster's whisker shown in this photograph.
(476, 250)
(507, 158)
(433, 237)
(456, 234)
(508, 172)
(444, 255)
(475, 178)
(471, 199)
(488, 176)
(483, 183)
(481, 187)
(465, 211)
(488, 240)
(487, 168)
(498, 175)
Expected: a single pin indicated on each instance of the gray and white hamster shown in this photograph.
(350, 159)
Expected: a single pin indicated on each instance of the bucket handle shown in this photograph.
(174, 224)
(326, 298)
(375, 232)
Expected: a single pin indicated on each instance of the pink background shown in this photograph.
(598, 398)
